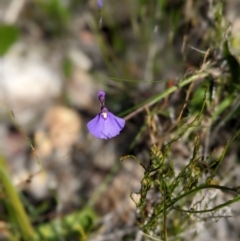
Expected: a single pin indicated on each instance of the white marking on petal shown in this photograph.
(104, 115)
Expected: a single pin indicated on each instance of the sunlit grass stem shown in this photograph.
(19, 213)
(140, 107)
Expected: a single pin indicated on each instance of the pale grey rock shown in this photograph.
(28, 83)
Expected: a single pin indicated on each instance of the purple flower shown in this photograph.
(100, 3)
(105, 125)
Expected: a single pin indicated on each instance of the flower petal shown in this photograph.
(117, 123)
(93, 126)
(106, 128)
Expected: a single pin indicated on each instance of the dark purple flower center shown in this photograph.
(101, 97)
(102, 100)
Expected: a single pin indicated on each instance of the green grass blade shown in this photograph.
(18, 212)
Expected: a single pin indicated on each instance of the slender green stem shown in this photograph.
(140, 107)
(165, 212)
(19, 212)
(223, 154)
(165, 225)
(175, 200)
(236, 199)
